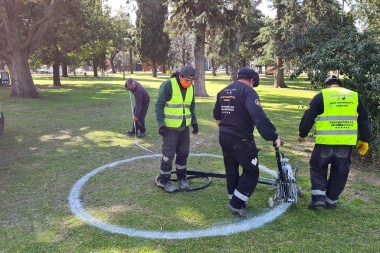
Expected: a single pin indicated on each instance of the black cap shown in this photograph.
(333, 80)
(248, 73)
(187, 71)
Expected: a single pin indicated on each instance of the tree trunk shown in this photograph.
(279, 81)
(279, 72)
(95, 66)
(2, 64)
(131, 59)
(112, 58)
(154, 69)
(22, 81)
(213, 66)
(64, 70)
(56, 78)
(15, 49)
(199, 58)
(234, 58)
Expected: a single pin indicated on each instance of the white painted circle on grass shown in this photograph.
(232, 228)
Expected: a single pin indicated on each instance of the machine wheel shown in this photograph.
(270, 202)
(280, 191)
(299, 192)
(293, 193)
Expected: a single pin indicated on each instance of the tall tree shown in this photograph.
(63, 36)
(193, 16)
(181, 48)
(23, 25)
(97, 35)
(197, 15)
(239, 13)
(249, 49)
(367, 13)
(122, 34)
(294, 15)
(152, 42)
(279, 81)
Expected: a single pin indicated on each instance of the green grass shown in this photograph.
(52, 142)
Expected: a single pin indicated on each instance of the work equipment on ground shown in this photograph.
(285, 187)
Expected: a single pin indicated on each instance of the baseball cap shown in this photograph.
(333, 80)
(248, 73)
(187, 71)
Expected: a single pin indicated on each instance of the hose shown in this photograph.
(192, 173)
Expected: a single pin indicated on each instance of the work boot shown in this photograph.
(183, 184)
(140, 135)
(168, 187)
(239, 212)
(130, 133)
(314, 204)
(330, 206)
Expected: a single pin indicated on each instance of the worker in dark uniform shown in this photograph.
(175, 112)
(237, 111)
(339, 115)
(140, 110)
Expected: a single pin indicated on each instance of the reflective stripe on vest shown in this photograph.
(177, 108)
(338, 123)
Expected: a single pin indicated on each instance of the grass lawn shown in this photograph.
(49, 144)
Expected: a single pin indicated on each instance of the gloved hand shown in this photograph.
(362, 147)
(163, 131)
(195, 128)
(277, 142)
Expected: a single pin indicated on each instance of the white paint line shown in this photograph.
(240, 226)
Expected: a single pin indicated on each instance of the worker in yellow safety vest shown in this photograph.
(340, 117)
(175, 112)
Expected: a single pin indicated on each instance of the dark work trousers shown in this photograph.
(140, 125)
(175, 143)
(244, 153)
(339, 158)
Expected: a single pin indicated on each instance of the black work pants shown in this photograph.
(324, 187)
(244, 153)
(140, 125)
(175, 144)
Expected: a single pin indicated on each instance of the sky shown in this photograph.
(263, 7)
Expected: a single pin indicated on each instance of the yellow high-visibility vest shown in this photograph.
(177, 107)
(337, 125)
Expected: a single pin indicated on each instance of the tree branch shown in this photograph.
(37, 30)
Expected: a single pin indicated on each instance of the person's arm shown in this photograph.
(314, 108)
(264, 126)
(364, 126)
(192, 110)
(217, 113)
(164, 94)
